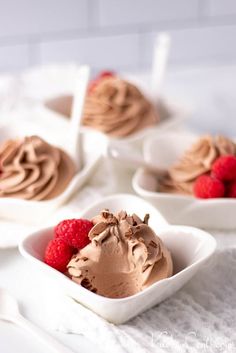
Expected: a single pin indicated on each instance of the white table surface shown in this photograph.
(210, 91)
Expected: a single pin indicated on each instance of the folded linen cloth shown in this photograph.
(200, 317)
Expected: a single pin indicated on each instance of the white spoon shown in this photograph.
(133, 159)
(159, 63)
(9, 311)
(80, 91)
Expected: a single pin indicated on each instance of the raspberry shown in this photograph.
(58, 254)
(74, 232)
(231, 189)
(224, 168)
(104, 74)
(207, 187)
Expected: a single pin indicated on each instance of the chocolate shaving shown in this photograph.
(115, 232)
(145, 268)
(98, 228)
(129, 219)
(153, 244)
(129, 233)
(86, 284)
(122, 215)
(136, 220)
(146, 218)
(105, 213)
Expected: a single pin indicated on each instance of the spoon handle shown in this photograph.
(42, 335)
(132, 159)
(160, 58)
(80, 90)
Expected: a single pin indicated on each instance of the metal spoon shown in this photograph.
(9, 311)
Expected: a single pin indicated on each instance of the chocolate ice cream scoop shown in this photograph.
(124, 256)
(32, 169)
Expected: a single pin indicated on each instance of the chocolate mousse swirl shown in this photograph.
(196, 161)
(118, 108)
(32, 169)
(124, 257)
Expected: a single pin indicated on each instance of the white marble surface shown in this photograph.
(209, 92)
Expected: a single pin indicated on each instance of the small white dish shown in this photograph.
(177, 115)
(190, 248)
(162, 151)
(34, 212)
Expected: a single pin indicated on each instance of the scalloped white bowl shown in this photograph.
(34, 212)
(190, 248)
(162, 151)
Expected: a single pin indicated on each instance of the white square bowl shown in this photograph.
(34, 212)
(162, 151)
(190, 248)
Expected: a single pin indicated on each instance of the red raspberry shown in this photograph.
(224, 168)
(104, 74)
(207, 187)
(74, 232)
(58, 254)
(231, 189)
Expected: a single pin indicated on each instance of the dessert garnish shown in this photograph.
(70, 235)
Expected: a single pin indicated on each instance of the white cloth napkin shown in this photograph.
(200, 317)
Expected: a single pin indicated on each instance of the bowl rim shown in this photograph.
(164, 195)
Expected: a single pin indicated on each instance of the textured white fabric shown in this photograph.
(200, 317)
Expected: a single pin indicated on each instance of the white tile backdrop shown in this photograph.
(115, 33)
